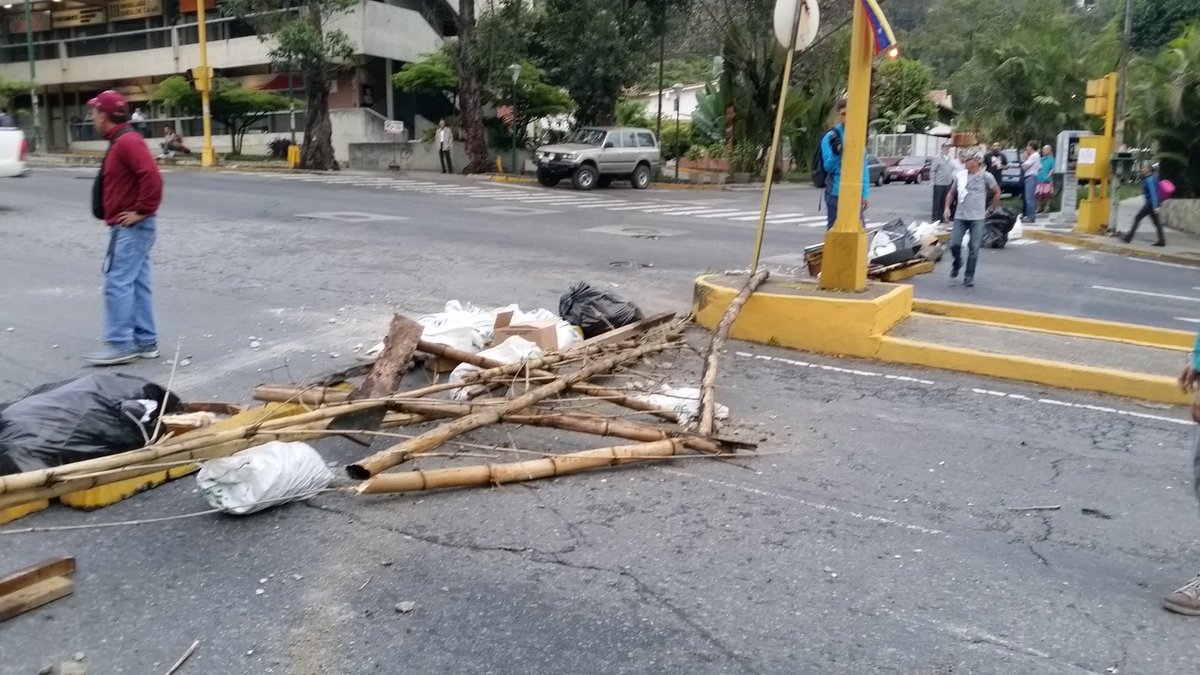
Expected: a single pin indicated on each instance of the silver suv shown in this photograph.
(594, 156)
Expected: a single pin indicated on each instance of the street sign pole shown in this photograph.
(207, 158)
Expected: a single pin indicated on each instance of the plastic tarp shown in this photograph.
(78, 419)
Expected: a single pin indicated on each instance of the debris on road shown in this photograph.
(35, 586)
(255, 458)
(405, 607)
(186, 655)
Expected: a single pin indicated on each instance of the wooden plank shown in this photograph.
(623, 333)
(45, 591)
(384, 378)
(54, 567)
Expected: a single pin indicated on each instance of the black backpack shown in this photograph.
(819, 176)
(98, 186)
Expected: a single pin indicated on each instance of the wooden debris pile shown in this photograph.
(521, 394)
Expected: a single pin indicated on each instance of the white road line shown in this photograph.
(632, 207)
(1186, 319)
(1130, 291)
(602, 204)
(687, 211)
(807, 220)
(720, 214)
(1164, 264)
(750, 489)
(984, 392)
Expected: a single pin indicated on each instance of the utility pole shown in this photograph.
(1119, 130)
(33, 97)
(204, 84)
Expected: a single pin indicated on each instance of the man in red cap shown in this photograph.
(126, 197)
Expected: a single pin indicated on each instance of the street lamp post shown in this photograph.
(37, 118)
(678, 90)
(515, 71)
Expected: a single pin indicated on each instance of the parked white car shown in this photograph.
(13, 147)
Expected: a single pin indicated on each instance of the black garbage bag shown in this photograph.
(78, 419)
(892, 244)
(596, 312)
(997, 226)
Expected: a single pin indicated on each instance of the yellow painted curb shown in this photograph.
(844, 324)
(1057, 323)
(1107, 247)
(1159, 389)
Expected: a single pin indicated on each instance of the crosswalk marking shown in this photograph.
(562, 199)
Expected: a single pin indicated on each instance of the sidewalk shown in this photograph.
(1182, 248)
(83, 159)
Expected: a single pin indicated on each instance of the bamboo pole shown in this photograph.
(389, 457)
(708, 382)
(499, 474)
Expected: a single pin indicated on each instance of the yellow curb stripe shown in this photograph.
(1058, 323)
(1159, 389)
(1106, 247)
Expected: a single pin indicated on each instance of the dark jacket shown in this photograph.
(131, 178)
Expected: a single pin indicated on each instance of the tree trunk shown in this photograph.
(317, 151)
(470, 108)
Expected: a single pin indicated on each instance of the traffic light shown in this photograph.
(1098, 94)
(200, 78)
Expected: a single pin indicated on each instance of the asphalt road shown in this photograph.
(876, 533)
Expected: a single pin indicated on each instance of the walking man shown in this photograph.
(126, 197)
(1150, 208)
(831, 159)
(943, 178)
(445, 143)
(1029, 172)
(978, 194)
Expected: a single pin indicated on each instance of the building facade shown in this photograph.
(82, 47)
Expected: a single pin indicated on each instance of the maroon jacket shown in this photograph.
(131, 178)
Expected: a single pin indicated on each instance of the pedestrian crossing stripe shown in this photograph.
(538, 197)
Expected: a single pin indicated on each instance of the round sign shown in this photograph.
(785, 15)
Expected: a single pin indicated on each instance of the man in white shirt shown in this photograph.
(1029, 172)
(445, 143)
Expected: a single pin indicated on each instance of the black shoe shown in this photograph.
(969, 282)
(1127, 240)
(1160, 242)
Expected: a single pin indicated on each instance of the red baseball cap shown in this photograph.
(109, 102)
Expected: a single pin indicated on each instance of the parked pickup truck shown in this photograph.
(13, 147)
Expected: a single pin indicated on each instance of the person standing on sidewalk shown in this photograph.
(126, 196)
(995, 162)
(978, 194)
(1186, 599)
(831, 160)
(1150, 208)
(942, 176)
(1029, 171)
(445, 143)
(1045, 180)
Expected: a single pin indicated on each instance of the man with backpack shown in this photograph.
(1152, 189)
(126, 196)
(827, 167)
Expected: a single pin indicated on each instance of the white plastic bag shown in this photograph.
(683, 400)
(513, 350)
(263, 476)
(1017, 232)
(466, 328)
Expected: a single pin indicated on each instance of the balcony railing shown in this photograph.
(220, 28)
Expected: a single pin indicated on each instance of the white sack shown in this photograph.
(263, 476)
(513, 350)
(683, 400)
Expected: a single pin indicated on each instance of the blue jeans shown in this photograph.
(831, 208)
(128, 306)
(961, 227)
(1030, 198)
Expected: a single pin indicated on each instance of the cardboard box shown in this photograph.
(543, 332)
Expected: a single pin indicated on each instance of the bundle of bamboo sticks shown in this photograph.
(521, 394)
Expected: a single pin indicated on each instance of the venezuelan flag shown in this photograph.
(882, 30)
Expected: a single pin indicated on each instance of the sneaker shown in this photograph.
(969, 282)
(1159, 243)
(149, 351)
(112, 357)
(1185, 600)
(954, 275)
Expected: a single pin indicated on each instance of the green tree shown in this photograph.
(1155, 22)
(231, 104)
(435, 75)
(902, 93)
(1164, 108)
(594, 50)
(299, 33)
(470, 94)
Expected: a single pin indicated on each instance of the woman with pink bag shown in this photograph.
(1045, 180)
